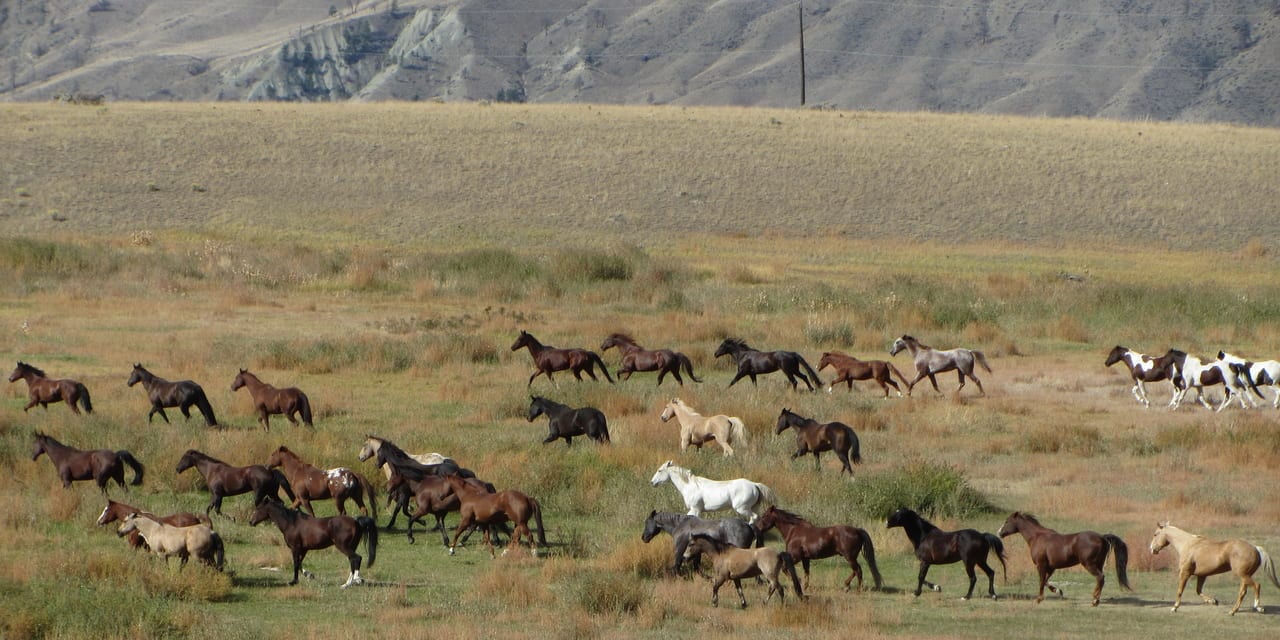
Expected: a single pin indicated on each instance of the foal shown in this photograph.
(731, 563)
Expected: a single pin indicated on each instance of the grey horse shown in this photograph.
(683, 527)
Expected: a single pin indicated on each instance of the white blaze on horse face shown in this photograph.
(102, 519)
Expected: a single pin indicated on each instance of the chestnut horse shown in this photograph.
(849, 368)
(479, 507)
(118, 511)
(1202, 557)
(806, 542)
(930, 361)
(199, 540)
(41, 390)
(433, 496)
(99, 465)
(637, 358)
(1051, 550)
(1143, 369)
(753, 362)
(547, 359)
(182, 394)
(303, 533)
(815, 437)
(268, 400)
(311, 483)
(227, 480)
(935, 546)
(732, 563)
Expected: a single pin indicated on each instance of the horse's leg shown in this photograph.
(536, 373)
(804, 562)
(960, 374)
(742, 598)
(978, 382)
(973, 579)
(843, 454)
(444, 537)
(264, 419)
(298, 555)
(1045, 573)
(715, 590)
(462, 526)
(1244, 590)
(1097, 588)
(739, 376)
(355, 559)
(1184, 575)
(155, 408)
(991, 576)
(185, 408)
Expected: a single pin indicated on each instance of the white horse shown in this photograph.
(372, 444)
(1197, 375)
(702, 495)
(696, 429)
(1265, 373)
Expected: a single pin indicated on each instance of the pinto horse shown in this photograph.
(227, 480)
(311, 483)
(930, 362)
(182, 394)
(119, 511)
(566, 422)
(1051, 550)
(703, 494)
(849, 368)
(815, 437)
(1143, 369)
(303, 533)
(42, 390)
(753, 362)
(479, 507)
(733, 563)
(1266, 372)
(1232, 375)
(682, 528)
(697, 429)
(199, 540)
(547, 359)
(935, 546)
(1202, 557)
(807, 542)
(268, 400)
(637, 358)
(99, 465)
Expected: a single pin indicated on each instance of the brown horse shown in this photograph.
(41, 390)
(547, 359)
(227, 480)
(119, 510)
(732, 563)
(99, 465)
(433, 496)
(1143, 369)
(162, 393)
(310, 483)
(815, 437)
(806, 542)
(637, 358)
(1201, 557)
(483, 508)
(935, 546)
(753, 362)
(303, 533)
(167, 540)
(849, 368)
(930, 362)
(1051, 550)
(268, 400)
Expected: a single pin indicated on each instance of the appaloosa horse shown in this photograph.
(930, 362)
(43, 391)
(547, 359)
(162, 393)
(637, 358)
(312, 483)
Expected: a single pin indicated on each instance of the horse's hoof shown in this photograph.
(964, 598)
(1173, 610)
(1258, 609)
(450, 550)
(937, 588)
(993, 597)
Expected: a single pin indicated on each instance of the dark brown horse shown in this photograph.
(929, 362)
(119, 510)
(1143, 369)
(268, 400)
(849, 368)
(1051, 550)
(182, 394)
(815, 437)
(753, 362)
(402, 465)
(303, 533)
(806, 542)
(41, 390)
(311, 483)
(227, 480)
(566, 422)
(99, 465)
(637, 358)
(479, 507)
(433, 496)
(935, 546)
(548, 359)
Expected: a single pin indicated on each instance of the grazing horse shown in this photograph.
(227, 480)
(1196, 375)
(849, 368)
(935, 546)
(1265, 373)
(566, 422)
(815, 437)
(1051, 550)
(752, 362)
(433, 496)
(637, 358)
(702, 494)
(732, 563)
(806, 542)
(479, 507)
(930, 362)
(303, 533)
(697, 429)
(373, 443)
(268, 400)
(311, 483)
(1202, 557)
(682, 528)
(199, 540)
(99, 465)
(42, 390)
(547, 359)
(118, 511)
(182, 394)
(1143, 369)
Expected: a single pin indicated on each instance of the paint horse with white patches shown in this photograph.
(1264, 373)
(311, 483)
(702, 495)
(1144, 368)
(1234, 377)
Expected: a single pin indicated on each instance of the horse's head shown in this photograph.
(899, 518)
(130, 524)
(1161, 538)
(367, 451)
(663, 474)
(701, 543)
(240, 379)
(20, 371)
(669, 410)
(110, 512)
(535, 407)
(651, 527)
(900, 344)
(277, 457)
(730, 346)
(523, 340)
(138, 375)
(767, 520)
(1117, 354)
(263, 511)
(1013, 524)
(784, 420)
(187, 461)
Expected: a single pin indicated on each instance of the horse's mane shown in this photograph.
(669, 518)
(787, 517)
(198, 454)
(32, 368)
(737, 342)
(622, 337)
(715, 544)
(40, 435)
(1030, 518)
(412, 469)
(548, 401)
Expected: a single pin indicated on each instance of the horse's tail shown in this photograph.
(982, 360)
(369, 529)
(997, 545)
(304, 407)
(128, 459)
(901, 377)
(789, 565)
(537, 516)
(1248, 377)
(870, 550)
(283, 482)
(368, 492)
(206, 409)
(738, 432)
(1122, 559)
(768, 497)
(1268, 567)
(604, 368)
(855, 449)
(687, 366)
(817, 381)
(85, 402)
(219, 552)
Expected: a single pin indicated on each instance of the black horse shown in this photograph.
(566, 422)
(683, 527)
(753, 362)
(182, 394)
(935, 546)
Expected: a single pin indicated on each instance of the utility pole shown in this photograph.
(802, 78)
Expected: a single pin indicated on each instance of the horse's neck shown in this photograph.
(1179, 538)
(253, 382)
(55, 449)
(670, 521)
(916, 530)
(685, 413)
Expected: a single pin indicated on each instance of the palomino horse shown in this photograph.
(119, 511)
(41, 390)
(930, 362)
(373, 443)
(637, 358)
(268, 400)
(732, 563)
(682, 528)
(303, 533)
(311, 483)
(806, 542)
(567, 422)
(1266, 373)
(815, 437)
(479, 507)
(182, 394)
(198, 540)
(849, 368)
(1051, 550)
(1233, 376)
(227, 480)
(935, 546)
(753, 362)
(99, 465)
(547, 359)
(1143, 369)
(1202, 557)
(702, 494)
(697, 429)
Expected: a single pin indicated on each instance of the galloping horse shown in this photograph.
(268, 400)
(702, 494)
(930, 362)
(119, 511)
(697, 429)
(1197, 375)
(1202, 557)
(1144, 369)
(732, 563)
(806, 542)
(566, 422)
(311, 483)
(549, 359)
(815, 437)
(849, 368)
(399, 463)
(199, 540)
(227, 480)
(433, 496)
(99, 465)
(373, 443)
(682, 528)
(182, 394)
(1266, 372)
(637, 358)
(303, 533)
(753, 362)
(41, 390)
(935, 546)
(478, 507)
(1051, 550)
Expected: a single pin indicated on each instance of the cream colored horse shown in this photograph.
(1201, 557)
(372, 444)
(731, 563)
(165, 540)
(697, 429)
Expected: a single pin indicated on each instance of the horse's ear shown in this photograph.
(653, 513)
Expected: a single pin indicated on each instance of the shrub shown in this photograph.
(929, 488)
(606, 592)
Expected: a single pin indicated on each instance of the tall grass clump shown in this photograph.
(591, 266)
(609, 593)
(929, 488)
(379, 355)
(59, 260)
